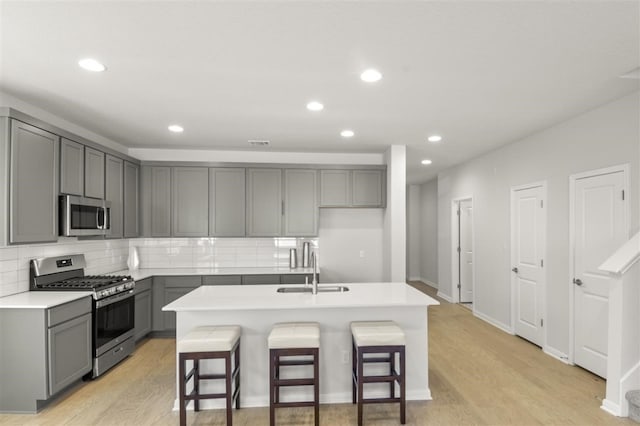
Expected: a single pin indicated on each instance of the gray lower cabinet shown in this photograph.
(166, 289)
(114, 192)
(56, 353)
(264, 202)
(222, 280)
(131, 197)
(227, 202)
(143, 308)
(260, 279)
(296, 278)
(33, 184)
(93, 173)
(71, 167)
(300, 203)
(190, 199)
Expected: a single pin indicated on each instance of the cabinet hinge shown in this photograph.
(542, 263)
(541, 322)
(458, 249)
(459, 286)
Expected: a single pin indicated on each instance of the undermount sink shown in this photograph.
(308, 289)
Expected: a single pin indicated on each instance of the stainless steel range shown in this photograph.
(113, 304)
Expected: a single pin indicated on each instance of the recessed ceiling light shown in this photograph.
(91, 64)
(347, 133)
(434, 138)
(315, 106)
(370, 75)
(426, 162)
(175, 128)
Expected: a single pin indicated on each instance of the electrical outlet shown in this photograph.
(345, 357)
(361, 254)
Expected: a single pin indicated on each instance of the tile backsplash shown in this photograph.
(102, 257)
(217, 252)
(107, 256)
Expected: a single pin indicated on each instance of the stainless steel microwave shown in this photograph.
(81, 216)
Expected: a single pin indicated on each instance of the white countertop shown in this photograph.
(140, 274)
(261, 297)
(40, 299)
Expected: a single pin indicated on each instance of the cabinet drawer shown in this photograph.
(295, 278)
(143, 285)
(222, 280)
(260, 279)
(186, 281)
(70, 310)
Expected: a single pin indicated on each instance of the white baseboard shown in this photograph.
(445, 297)
(559, 355)
(429, 283)
(495, 323)
(610, 407)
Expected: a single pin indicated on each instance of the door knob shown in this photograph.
(577, 281)
(515, 269)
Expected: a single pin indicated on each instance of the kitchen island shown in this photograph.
(257, 308)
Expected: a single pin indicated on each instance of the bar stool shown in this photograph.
(384, 338)
(289, 340)
(209, 342)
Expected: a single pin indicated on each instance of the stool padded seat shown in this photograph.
(377, 333)
(295, 335)
(210, 338)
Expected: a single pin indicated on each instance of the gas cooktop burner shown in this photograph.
(91, 281)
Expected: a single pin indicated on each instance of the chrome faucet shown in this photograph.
(314, 280)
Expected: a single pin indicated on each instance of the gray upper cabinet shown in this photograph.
(131, 197)
(93, 173)
(227, 202)
(367, 188)
(33, 184)
(264, 202)
(300, 203)
(190, 198)
(114, 192)
(160, 211)
(335, 190)
(71, 167)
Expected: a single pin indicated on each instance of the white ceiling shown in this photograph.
(479, 73)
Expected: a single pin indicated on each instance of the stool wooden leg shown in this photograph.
(402, 387)
(276, 396)
(354, 354)
(196, 383)
(360, 384)
(392, 369)
(236, 366)
(272, 389)
(181, 390)
(316, 385)
(227, 363)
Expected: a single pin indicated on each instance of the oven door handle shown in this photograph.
(113, 299)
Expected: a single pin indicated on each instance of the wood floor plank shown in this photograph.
(478, 375)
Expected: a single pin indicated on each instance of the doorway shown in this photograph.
(463, 268)
(528, 252)
(598, 226)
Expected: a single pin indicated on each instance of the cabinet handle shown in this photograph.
(282, 207)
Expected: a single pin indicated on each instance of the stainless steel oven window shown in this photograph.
(114, 320)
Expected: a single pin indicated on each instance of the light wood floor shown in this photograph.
(478, 375)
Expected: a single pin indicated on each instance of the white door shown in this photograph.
(528, 233)
(466, 250)
(599, 228)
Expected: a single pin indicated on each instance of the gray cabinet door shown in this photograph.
(93, 173)
(264, 202)
(69, 352)
(367, 188)
(171, 294)
(260, 279)
(296, 278)
(300, 203)
(227, 202)
(131, 197)
(142, 314)
(222, 280)
(190, 198)
(71, 167)
(160, 209)
(335, 188)
(33, 185)
(114, 192)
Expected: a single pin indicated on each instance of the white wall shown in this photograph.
(429, 232)
(343, 235)
(395, 216)
(413, 232)
(606, 136)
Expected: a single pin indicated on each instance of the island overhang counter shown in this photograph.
(257, 308)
